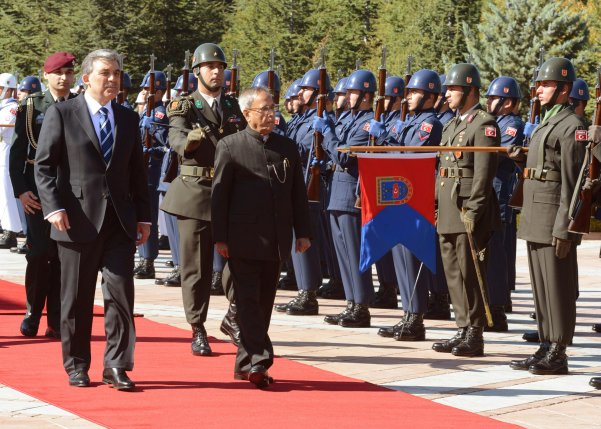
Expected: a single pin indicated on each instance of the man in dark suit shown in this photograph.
(92, 183)
(259, 198)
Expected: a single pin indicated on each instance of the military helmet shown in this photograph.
(192, 83)
(262, 79)
(293, 89)
(30, 84)
(227, 79)
(580, 90)
(126, 81)
(463, 74)
(361, 80)
(311, 80)
(208, 52)
(425, 80)
(160, 81)
(557, 69)
(443, 83)
(504, 86)
(394, 86)
(8, 80)
(340, 87)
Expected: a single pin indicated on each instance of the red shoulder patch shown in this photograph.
(159, 115)
(490, 132)
(426, 127)
(581, 135)
(510, 131)
(13, 111)
(366, 126)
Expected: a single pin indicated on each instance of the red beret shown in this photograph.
(58, 60)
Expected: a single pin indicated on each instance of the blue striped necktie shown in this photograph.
(106, 135)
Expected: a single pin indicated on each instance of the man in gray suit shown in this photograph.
(259, 198)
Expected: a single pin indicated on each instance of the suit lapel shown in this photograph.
(83, 116)
(117, 115)
(206, 111)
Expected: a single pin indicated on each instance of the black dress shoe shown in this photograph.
(389, 331)
(531, 337)
(52, 333)
(595, 382)
(448, 345)
(200, 341)
(555, 362)
(79, 378)
(30, 326)
(597, 327)
(244, 376)
(229, 324)
(524, 364)
(259, 376)
(117, 378)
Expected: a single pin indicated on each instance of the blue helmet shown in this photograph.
(504, 86)
(394, 86)
(262, 79)
(192, 83)
(30, 84)
(579, 90)
(227, 79)
(340, 87)
(361, 80)
(425, 80)
(126, 81)
(311, 79)
(160, 81)
(293, 89)
(443, 87)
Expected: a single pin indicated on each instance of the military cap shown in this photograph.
(59, 60)
(557, 69)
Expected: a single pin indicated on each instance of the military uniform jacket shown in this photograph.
(423, 128)
(445, 116)
(472, 191)
(512, 134)
(259, 196)
(30, 116)
(560, 143)
(190, 196)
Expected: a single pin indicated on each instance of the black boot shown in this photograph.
(555, 362)
(595, 382)
(531, 337)
(447, 345)
(172, 274)
(174, 279)
(358, 318)
(200, 342)
(305, 304)
(164, 243)
(386, 296)
(389, 331)
(335, 318)
(288, 282)
(524, 364)
(473, 345)
(413, 329)
(139, 265)
(331, 290)
(217, 284)
(8, 239)
(499, 320)
(229, 324)
(146, 271)
(438, 307)
(597, 327)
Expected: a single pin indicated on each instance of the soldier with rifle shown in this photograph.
(445, 114)
(579, 98)
(270, 80)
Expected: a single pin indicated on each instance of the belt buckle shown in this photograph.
(442, 172)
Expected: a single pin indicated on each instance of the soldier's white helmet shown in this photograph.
(7, 81)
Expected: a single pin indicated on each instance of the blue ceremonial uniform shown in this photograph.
(159, 134)
(280, 124)
(345, 218)
(501, 262)
(170, 220)
(445, 117)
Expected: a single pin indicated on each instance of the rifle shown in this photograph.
(186, 73)
(168, 83)
(379, 109)
(121, 94)
(517, 196)
(149, 106)
(580, 215)
(405, 104)
(314, 186)
(234, 89)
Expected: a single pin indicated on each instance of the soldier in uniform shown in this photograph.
(198, 122)
(466, 205)
(126, 89)
(445, 114)
(28, 85)
(42, 275)
(579, 97)
(345, 218)
(414, 279)
(262, 79)
(503, 95)
(557, 150)
(155, 126)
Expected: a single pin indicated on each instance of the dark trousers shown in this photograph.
(112, 252)
(555, 287)
(385, 269)
(150, 249)
(255, 284)
(499, 269)
(327, 244)
(307, 265)
(439, 285)
(410, 278)
(462, 280)
(43, 271)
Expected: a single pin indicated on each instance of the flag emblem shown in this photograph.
(510, 131)
(581, 135)
(393, 190)
(490, 132)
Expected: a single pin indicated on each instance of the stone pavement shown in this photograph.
(484, 385)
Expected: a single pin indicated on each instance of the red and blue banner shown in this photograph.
(397, 206)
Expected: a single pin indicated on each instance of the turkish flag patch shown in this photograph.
(490, 132)
(581, 135)
(366, 126)
(510, 131)
(159, 115)
(426, 127)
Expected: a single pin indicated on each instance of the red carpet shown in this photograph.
(176, 389)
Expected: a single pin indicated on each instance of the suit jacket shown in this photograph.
(259, 196)
(546, 203)
(190, 196)
(475, 193)
(71, 173)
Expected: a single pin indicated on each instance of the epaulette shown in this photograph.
(485, 115)
(179, 106)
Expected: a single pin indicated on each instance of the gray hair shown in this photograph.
(249, 95)
(99, 54)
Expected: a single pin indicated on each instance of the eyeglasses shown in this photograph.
(263, 110)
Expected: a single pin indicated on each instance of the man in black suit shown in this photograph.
(92, 183)
(258, 198)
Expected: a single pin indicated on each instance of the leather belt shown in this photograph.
(191, 170)
(455, 172)
(543, 175)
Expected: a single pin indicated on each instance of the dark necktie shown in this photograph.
(215, 110)
(60, 99)
(106, 135)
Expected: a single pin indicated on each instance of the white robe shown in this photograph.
(9, 214)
